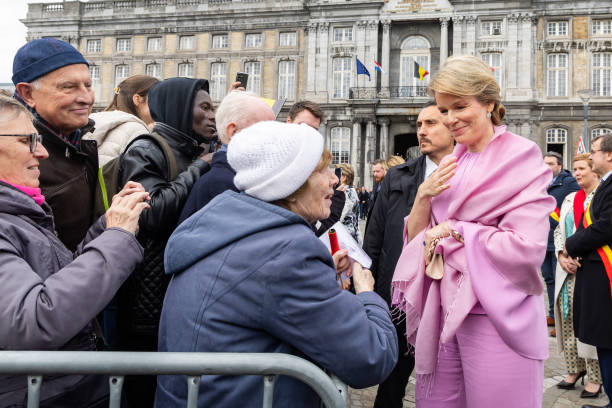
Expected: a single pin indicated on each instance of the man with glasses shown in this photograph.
(52, 79)
(590, 246)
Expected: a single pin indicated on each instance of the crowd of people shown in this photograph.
(208, 241)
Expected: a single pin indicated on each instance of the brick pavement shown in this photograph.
(554, 371)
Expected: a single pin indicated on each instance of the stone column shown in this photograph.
(360, 43)
(385, 63)
(443, 39)
(470, 35)
(322, 75)
(311, 57)
(526, 62)
(384, 138)
(457, 34)
(372, 52)
(369, 152)
(324, 132)
(510, 58)
(355, 143)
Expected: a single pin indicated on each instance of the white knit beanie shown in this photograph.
(273, 159)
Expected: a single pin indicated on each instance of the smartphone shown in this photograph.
(242, 77)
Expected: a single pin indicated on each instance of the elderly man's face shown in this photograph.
(64, 97)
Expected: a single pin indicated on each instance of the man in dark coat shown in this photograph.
(364, 199)
(184, 130)
(383, 238)
(52, 79)
(591, 242)
(561, 185)
(237, 111)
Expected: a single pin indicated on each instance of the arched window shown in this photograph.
(599, 131)
(556, 141)
(414, 49)
(340, 145)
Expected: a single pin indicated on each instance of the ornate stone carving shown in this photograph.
(444, 22)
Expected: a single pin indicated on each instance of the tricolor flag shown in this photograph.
(378, 67)
(581, 148)
(420, 72)
(361, 69)
(555, 215)
(276, 105)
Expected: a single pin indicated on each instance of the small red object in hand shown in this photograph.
(333, 241)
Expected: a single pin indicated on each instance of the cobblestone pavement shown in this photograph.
(554, 371)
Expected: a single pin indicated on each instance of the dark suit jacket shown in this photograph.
(592, 298)
(562, 186)
(384, 232)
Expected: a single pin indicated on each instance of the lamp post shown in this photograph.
(585, 96)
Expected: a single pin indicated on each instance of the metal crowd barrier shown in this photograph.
(36, 364)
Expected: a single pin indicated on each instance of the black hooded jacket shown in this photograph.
(171, 106)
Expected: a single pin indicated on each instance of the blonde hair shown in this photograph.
(584, 157)
(394, 161)
(466, 75)
(348, 172)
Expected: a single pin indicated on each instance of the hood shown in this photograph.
(228, 218)
(16, 202)
(166, 96)
(110, 120)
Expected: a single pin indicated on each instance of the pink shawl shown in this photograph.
(501, 208)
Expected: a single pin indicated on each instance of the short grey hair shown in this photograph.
(235, 107)
(10, 108)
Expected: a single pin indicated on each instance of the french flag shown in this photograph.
(378, 67)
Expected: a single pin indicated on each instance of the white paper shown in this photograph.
(346, 241)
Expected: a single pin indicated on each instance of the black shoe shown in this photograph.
(596, 406)
(564, 385)
(589, 394)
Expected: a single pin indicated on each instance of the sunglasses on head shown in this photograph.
(34, 139)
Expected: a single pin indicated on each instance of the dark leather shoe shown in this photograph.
(564, 385)
(596, 406)
(589, 394)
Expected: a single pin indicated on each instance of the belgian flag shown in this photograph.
(420, 72)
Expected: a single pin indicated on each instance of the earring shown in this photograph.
(489, 115)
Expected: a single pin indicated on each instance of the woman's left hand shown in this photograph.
(341, 261)
(439, 231)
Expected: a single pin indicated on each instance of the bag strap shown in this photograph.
(102, 184)
(172, 168)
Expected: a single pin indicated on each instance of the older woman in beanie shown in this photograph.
(468, 278)
(249, 275)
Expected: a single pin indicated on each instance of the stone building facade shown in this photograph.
(543, 52)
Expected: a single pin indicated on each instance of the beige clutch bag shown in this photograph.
(434, 263)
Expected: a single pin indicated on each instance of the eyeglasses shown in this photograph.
(34, 138)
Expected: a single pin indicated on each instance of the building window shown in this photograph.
(557, 75)
(340, 145)
(124, 44)
(94, 46)
(252, 40)
(601, 73)
(153, 70)
(286, 80)
(494, 59)
(288, 39)
(557, 28)
(185, 69)
(94, 72)
(121, 72)
(343, 34)
(154, 44)
(342, 72)
(599, 132)
(253, 68)
(220, 41)
(187, 42)
(602, 27)
(413, 49)
(218, 78)
(556, 141)
(491, 28)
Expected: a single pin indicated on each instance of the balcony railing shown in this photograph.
(363, 93)
(408, 92)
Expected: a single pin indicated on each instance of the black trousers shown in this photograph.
(391, 391)
(605, 365)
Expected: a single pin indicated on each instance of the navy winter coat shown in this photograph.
(250, 276)
(562, 186)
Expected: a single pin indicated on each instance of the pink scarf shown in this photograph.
(498, 202)
(31, 191)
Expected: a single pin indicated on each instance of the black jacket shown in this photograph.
(337, 205)
(562, 186)
(384, 233)
(141, 297)
(68, 181)
(364, 197)
(592, 297)
(217, 180)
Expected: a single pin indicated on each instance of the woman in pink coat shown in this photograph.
(478, 326)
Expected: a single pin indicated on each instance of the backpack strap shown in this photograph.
(168, 153)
